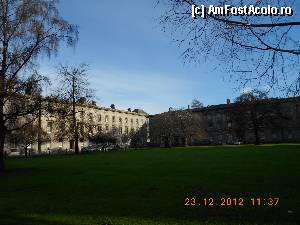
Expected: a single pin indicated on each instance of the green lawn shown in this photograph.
(149, 186)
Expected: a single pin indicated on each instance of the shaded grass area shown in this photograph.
(149, 186)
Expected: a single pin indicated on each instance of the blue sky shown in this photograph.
(132, 62)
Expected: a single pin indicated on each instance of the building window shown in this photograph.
(131, 120)
(90, 130)
(120, 130)
(220, 138)
(126, 120)
(99, 118)
(13, 143)
(99, 128)
(126, 130)
(91, 116)
(289, 134)
(113, 119)
(274, 134)
(229, 125)
(120, 120)
(106, 119)
(82, 115)
(114, 130)
(209, 117)
(49, 127)
(137, 121)
(262, 136)
(107, 128)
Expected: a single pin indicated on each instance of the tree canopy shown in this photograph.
(28, 29)
(255, 51)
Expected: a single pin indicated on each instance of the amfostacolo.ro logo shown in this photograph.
(250, 10)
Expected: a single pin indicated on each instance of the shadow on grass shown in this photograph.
(142, 189)
(25, 220)
(19, 171)
(118, 217)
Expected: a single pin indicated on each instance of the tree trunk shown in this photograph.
(255, 126)
(39, 142)
(76, 144)
(2, 132)
(26, 153)
(257, 142)
(2, 140)
(3, 69)
(167, 142)
(75, 127)
(185, 141)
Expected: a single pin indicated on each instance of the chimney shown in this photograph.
(129, 109)
(228, 101)
(113, 106)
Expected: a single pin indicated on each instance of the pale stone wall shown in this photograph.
(101, 119)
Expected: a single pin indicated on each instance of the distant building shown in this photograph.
(100, 119)
(276, 121)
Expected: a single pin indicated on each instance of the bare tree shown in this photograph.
(250, 111)
(138, 138)
(196, 104)
(278, 117)
(161, 129)
(187, 125)
(256, 51)
(28, 29)
(28, 135)
(72, 92)
(177, 124)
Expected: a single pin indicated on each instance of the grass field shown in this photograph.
(146, 187)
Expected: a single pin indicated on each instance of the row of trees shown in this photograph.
(61, 108)
(263, 50)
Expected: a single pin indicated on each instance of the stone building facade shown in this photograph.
(278, 122)
(100, 119)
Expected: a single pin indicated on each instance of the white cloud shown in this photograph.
(246, 90)
(152, 92)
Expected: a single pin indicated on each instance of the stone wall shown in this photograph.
(100, 119)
